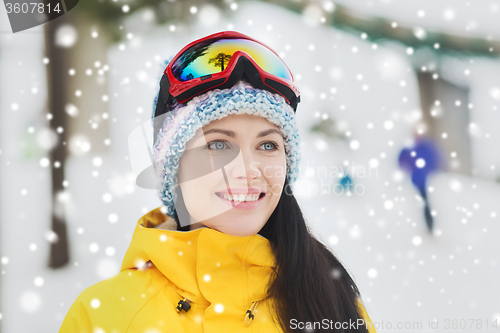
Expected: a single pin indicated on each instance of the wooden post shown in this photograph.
(57, 92)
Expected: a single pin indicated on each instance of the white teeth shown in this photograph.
(242, 197)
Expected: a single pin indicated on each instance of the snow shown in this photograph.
(470, 18)
(377, 230)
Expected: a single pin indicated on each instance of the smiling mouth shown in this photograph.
(236, 197)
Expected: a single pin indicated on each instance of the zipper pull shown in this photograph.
(183, 305)
(249, 316)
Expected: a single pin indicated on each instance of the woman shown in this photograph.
(229, 250)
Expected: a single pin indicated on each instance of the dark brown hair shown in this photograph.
(309, 283)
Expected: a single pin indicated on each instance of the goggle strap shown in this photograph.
(164, 99)
(165, 86)
(200, 88)
(288, 93)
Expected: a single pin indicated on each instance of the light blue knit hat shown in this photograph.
(181, 123)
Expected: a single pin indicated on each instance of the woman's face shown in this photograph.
(240, 157)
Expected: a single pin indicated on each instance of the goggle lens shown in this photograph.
(213, 56)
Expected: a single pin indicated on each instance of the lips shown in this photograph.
(242, 205)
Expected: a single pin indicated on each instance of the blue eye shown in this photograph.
(271, 145)
(217, 145)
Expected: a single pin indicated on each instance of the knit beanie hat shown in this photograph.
(184, 119)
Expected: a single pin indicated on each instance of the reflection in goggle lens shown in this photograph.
(213, 56)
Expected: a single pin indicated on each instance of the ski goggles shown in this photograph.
(219, 61)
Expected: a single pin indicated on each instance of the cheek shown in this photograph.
(275, 173)
(190, 196)
(196, 192)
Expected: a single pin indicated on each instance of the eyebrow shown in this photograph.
(233, 134)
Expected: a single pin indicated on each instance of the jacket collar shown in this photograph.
(207, 266)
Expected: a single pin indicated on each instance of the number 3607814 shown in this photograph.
(31, 7)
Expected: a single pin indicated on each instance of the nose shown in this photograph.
(245, 165)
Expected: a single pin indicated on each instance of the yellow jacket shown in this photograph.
(219, 276)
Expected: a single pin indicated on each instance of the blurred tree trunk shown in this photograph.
(91, 79)
(57, 91)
